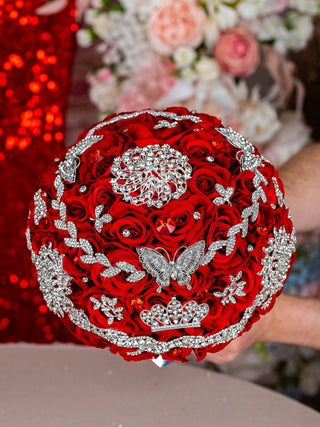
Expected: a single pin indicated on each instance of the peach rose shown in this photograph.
(237, 52)
(176, 23)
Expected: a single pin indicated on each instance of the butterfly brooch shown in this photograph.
(180, 269)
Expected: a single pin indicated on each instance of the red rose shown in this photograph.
(109, 282)
(186, 229)
(204, 180)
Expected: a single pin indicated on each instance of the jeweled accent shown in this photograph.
(165, 225)
(164, 270)
(40, 210)
(126, 233)
(276, 262)
(136, 303)
(82, 189)
(250, 248)
(108, 307)
(149, 344)
(54, 282)
(68, 168)
(197, 215)
(165, 124)
(262, 229)
(248, 160)
(155, 174)
(234, 289)
(100, 220)
(224, 193)
(210, 159)
(175, 315)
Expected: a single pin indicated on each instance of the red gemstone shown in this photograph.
(165, 225)
(96, 157)
(262, 229)
(217, 144)
(137, 303)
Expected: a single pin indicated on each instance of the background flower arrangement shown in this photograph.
(208, 55)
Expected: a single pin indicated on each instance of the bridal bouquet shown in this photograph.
(160, 233)
(208, 55)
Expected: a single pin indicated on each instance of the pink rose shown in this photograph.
(176, 23)
(237, 52)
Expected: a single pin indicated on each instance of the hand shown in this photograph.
(292, 320)
(257, 333)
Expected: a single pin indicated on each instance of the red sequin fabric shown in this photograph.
(36, 56)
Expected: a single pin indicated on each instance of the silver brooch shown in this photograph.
(100, 220)
(175, 315)
(107, 306)
(40, 207)
(154, 174)
(235, 289)
(164, 270)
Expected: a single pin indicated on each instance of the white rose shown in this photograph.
(104, 94)
(226, 17)
(207, 69)
(250, 9)
(301, 31)
(89, 16)
(306, 6)
(259, 122)
(184, 56)
(97, 3)
(102, 25)
(271, 28)
(187, 73)
(212, 32)
(84, 38)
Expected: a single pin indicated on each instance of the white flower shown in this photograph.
(184, 56)
(187, 73)
(212, 31)
(89, 16)
(306, 6)
(84, 38)
(300, 31)
(97, 3)
(259, 120)
(102, 25)
(141, 8)
(250, 9)
(221, 16)
(271, 28)
(292, 136)
(104, 94)
(207, 69)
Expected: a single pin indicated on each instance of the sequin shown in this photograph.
(25, 154)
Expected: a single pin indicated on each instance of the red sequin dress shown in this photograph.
(36, 55)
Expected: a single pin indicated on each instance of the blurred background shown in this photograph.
(66, 64)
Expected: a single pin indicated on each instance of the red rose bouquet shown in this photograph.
(160, 233)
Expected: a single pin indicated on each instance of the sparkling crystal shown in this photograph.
(165, 225)
(210, 159)
(197, 215)
(82, 189)
(126, 233)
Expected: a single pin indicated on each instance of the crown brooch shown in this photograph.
(175, 315)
